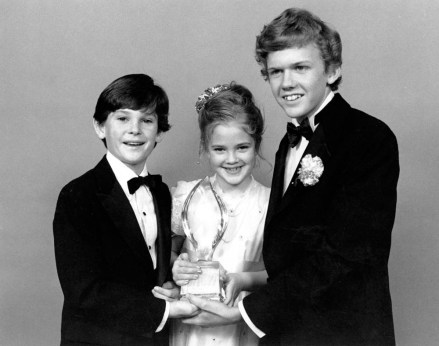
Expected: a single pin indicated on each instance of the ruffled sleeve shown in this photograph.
(179, 194)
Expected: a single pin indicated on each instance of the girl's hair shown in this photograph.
(229, 102)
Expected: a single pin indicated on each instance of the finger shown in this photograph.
(188, 267)
(186, 277)
(207, 305)
(164, 292)
(161, 296)
(182, 282)
(168, 285)
(197, 319)
(184, 256)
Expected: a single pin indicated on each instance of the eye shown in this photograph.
(122, 118)
(148, 120)
(274, 72)
(218, 149)
(301, 68)
(243, 147)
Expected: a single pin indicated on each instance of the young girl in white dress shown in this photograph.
(231, 127)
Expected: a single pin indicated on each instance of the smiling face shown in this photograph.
(298, 79)
(232, 155)
(130, 136)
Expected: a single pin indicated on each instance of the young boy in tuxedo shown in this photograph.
(332, 204)
(112, 227)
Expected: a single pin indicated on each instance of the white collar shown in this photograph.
(122, 172)
(312, 117)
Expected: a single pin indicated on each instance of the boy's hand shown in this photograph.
(182, 308)
(169, 291)
(212, 313)
(233, 286)
(183, 270)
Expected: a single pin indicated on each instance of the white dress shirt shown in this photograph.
(143, 206)
(291, 162)
(295, 154)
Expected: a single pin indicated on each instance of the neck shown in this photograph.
(234, 190)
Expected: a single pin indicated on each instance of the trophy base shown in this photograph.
(208, 284)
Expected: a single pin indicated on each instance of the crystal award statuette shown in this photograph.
(205, 204)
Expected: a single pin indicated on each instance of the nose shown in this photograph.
(134, 127)
(288, 80)
(231, 157)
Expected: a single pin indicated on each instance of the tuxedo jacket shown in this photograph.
(104, 266)
(326, 246)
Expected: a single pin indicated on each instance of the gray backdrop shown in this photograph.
(57, 56)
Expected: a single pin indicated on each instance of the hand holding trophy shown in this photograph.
(204, 238)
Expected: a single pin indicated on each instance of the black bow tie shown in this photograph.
(296, 132)
(150, 180)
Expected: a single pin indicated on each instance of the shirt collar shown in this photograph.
(311, 118)
(122, 172)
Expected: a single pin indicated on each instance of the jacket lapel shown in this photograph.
(317, 147)
(161, 242)
(119, 210)
(326, 139)
(278, 179)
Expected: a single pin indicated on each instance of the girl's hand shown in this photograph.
(212, 313)
(169, 291)
(183, 270)
(234, 284)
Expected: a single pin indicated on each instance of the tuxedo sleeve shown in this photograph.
(91, 291)
(345, 251)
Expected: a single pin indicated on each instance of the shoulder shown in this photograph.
(357, 127)
(83, 185)
(262, 191)
(183, 188)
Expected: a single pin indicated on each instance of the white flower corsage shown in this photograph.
(311, 169)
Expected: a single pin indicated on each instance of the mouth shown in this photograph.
(232, 170)
(134, 144)
(292, 97)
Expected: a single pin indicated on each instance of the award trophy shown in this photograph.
(204, 237)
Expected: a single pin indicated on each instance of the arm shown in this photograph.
(344, 247)
(235, 283)
(95, 291)
(177, 243)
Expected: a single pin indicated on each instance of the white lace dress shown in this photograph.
(239, 250)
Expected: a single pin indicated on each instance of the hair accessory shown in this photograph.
(208, 93)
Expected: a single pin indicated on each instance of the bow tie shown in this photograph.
(295, 133)
(150, 180)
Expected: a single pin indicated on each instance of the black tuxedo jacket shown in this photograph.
(103, 263)
(326, 246)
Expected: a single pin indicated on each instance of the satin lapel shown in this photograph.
(119, 210)
(161, 243)
(277, 184)
(326, 142)
(317, 147)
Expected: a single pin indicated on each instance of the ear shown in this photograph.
(99, 129)
(159, 137)
(334, 73)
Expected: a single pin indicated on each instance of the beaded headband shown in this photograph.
(207, 95)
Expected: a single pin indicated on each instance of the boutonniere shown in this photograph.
(311, 169)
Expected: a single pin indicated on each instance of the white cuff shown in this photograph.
(247, 320)
(165, 318)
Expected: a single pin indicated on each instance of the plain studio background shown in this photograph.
(57, 56)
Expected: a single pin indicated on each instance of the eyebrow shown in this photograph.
(281, 67)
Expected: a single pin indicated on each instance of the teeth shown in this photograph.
(292, 97)
(133, 143)
(233, 170)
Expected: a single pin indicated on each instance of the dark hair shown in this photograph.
(135, 92)
(298, 28)
(235, 103)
